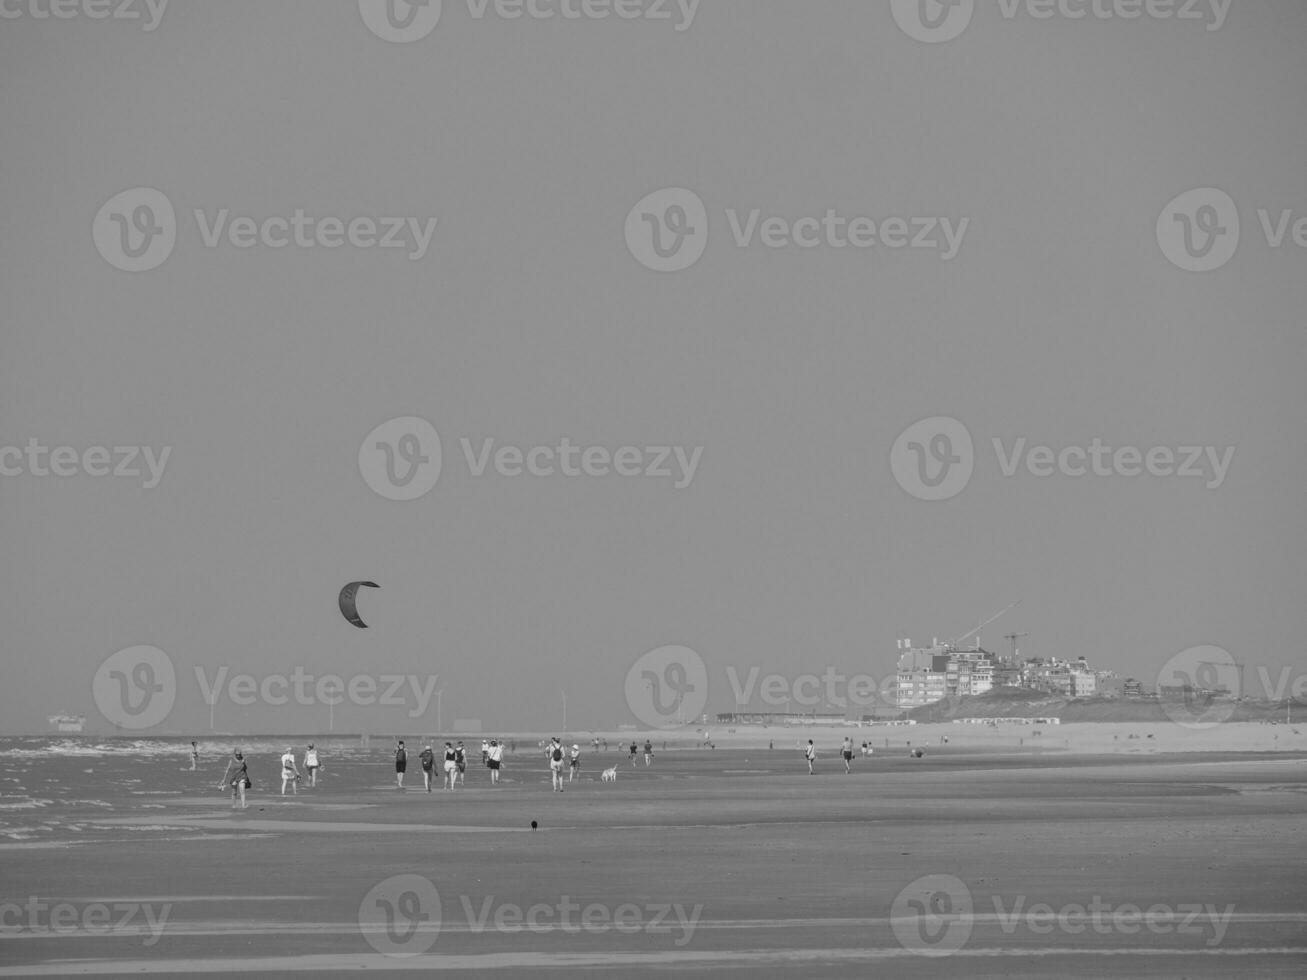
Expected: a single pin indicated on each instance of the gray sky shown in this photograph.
(794, 547)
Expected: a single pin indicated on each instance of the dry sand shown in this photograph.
(791, 875)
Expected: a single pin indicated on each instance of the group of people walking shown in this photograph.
(454, 768)
(237, 775)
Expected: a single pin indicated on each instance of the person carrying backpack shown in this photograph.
(556, 764)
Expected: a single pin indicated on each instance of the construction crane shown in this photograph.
(1014, 637)
(970, 633)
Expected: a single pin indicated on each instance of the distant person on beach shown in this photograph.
(648, 752)
(237, 777)
(428, 760)
(810, 753)
(485, 752)
(556, 764)
(460, 763)
(401, 763)
(450, 769)
(574, 763)
(847, 752)
(634, 751)
(289, 773)
(496, 760)
(195, 756)
(311, 764)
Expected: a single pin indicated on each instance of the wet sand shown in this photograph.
(751, 867)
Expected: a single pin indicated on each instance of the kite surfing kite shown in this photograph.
(348, 608)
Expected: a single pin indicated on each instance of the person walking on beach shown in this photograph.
(237, 777)
(634, 751)
(847, 752)
(289, 774)
(485, 752)
(311, 764)
(810, 753)
(648, 752)
(401, 763)
(428, 760)
(575, 763)
(495, 761)
(449, 766)
(460, 763)
(195, 756)
(556, 764)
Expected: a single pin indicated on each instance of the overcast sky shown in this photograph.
(1055, 313)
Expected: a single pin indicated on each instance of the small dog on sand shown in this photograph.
(610, 775)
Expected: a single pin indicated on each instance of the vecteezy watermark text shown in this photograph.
(42, 917)
(365, 690)
(667, 230)
(1199, 230)
(933, 459)
(402, 459)
(136, 230)
(136, 688)
(151, 11)
(936, 21)
(403, 916)
(405, 21)
(936, 914)
(36, 459)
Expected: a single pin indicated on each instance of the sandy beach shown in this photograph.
(978, 860)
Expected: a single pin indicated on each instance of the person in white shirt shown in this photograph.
(810, 753)
(289, 773)
(575, 763)
(496, 760)
(311, 764)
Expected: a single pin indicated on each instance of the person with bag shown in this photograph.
(428, 760)
(237, 777)
(556, 764)
(460, 763)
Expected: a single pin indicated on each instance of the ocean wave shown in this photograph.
(47, 747)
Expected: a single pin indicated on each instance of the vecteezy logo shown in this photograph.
(667, 230)
(932, 459)
(136, 687)
(135, 230)
(400, 459)
(667, 687)
(932, 915)
(401, 915)
(400, 21)
(1199, 687)
(932, 21)
(1199, 230)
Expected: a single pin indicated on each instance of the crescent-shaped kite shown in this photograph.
(348, 608)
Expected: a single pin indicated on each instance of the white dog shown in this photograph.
(610, 775)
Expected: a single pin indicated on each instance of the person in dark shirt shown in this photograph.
(428, 760)
(401, 764)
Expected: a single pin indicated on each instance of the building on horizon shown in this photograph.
(929, 674)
